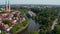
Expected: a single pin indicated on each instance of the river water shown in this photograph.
(33, 26)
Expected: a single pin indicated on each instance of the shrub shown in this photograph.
(15, 15)
(33, 32)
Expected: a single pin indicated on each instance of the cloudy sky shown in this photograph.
(52, 2)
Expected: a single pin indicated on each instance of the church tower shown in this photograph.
(7, 8)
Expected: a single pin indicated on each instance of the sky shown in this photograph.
(51, 2)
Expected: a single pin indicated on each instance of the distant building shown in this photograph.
(2, 9)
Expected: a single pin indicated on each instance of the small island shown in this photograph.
(12, 21)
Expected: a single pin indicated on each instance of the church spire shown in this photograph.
(7, 5)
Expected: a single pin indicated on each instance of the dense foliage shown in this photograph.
(57, 30)
(33, 32)
(7, 22)
(45, 18)
(15, 15)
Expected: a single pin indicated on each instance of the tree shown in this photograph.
(15, 15)
(57, 29)
(33, 32)
(6, 22)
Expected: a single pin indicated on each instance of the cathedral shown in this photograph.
(7, 6)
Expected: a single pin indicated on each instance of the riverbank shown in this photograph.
(20, 27)
(23, 28)
(55, 22)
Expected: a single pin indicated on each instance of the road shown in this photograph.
(31, 13)
(53, 25)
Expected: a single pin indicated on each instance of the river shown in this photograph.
(32, 27)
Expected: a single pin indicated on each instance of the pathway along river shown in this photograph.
(33, 26)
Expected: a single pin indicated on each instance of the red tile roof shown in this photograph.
(6, 26)
(4, 14)
(0, 11)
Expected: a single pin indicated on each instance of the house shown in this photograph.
(10, 18)
(0, 24)
(10, 15)
(0, 10)
(18, 12)
(6, 26)
(5, 18)
(1, 17)
(4, 15)
(13, 12)
(15, 21)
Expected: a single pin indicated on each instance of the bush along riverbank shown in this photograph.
(20, 27)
